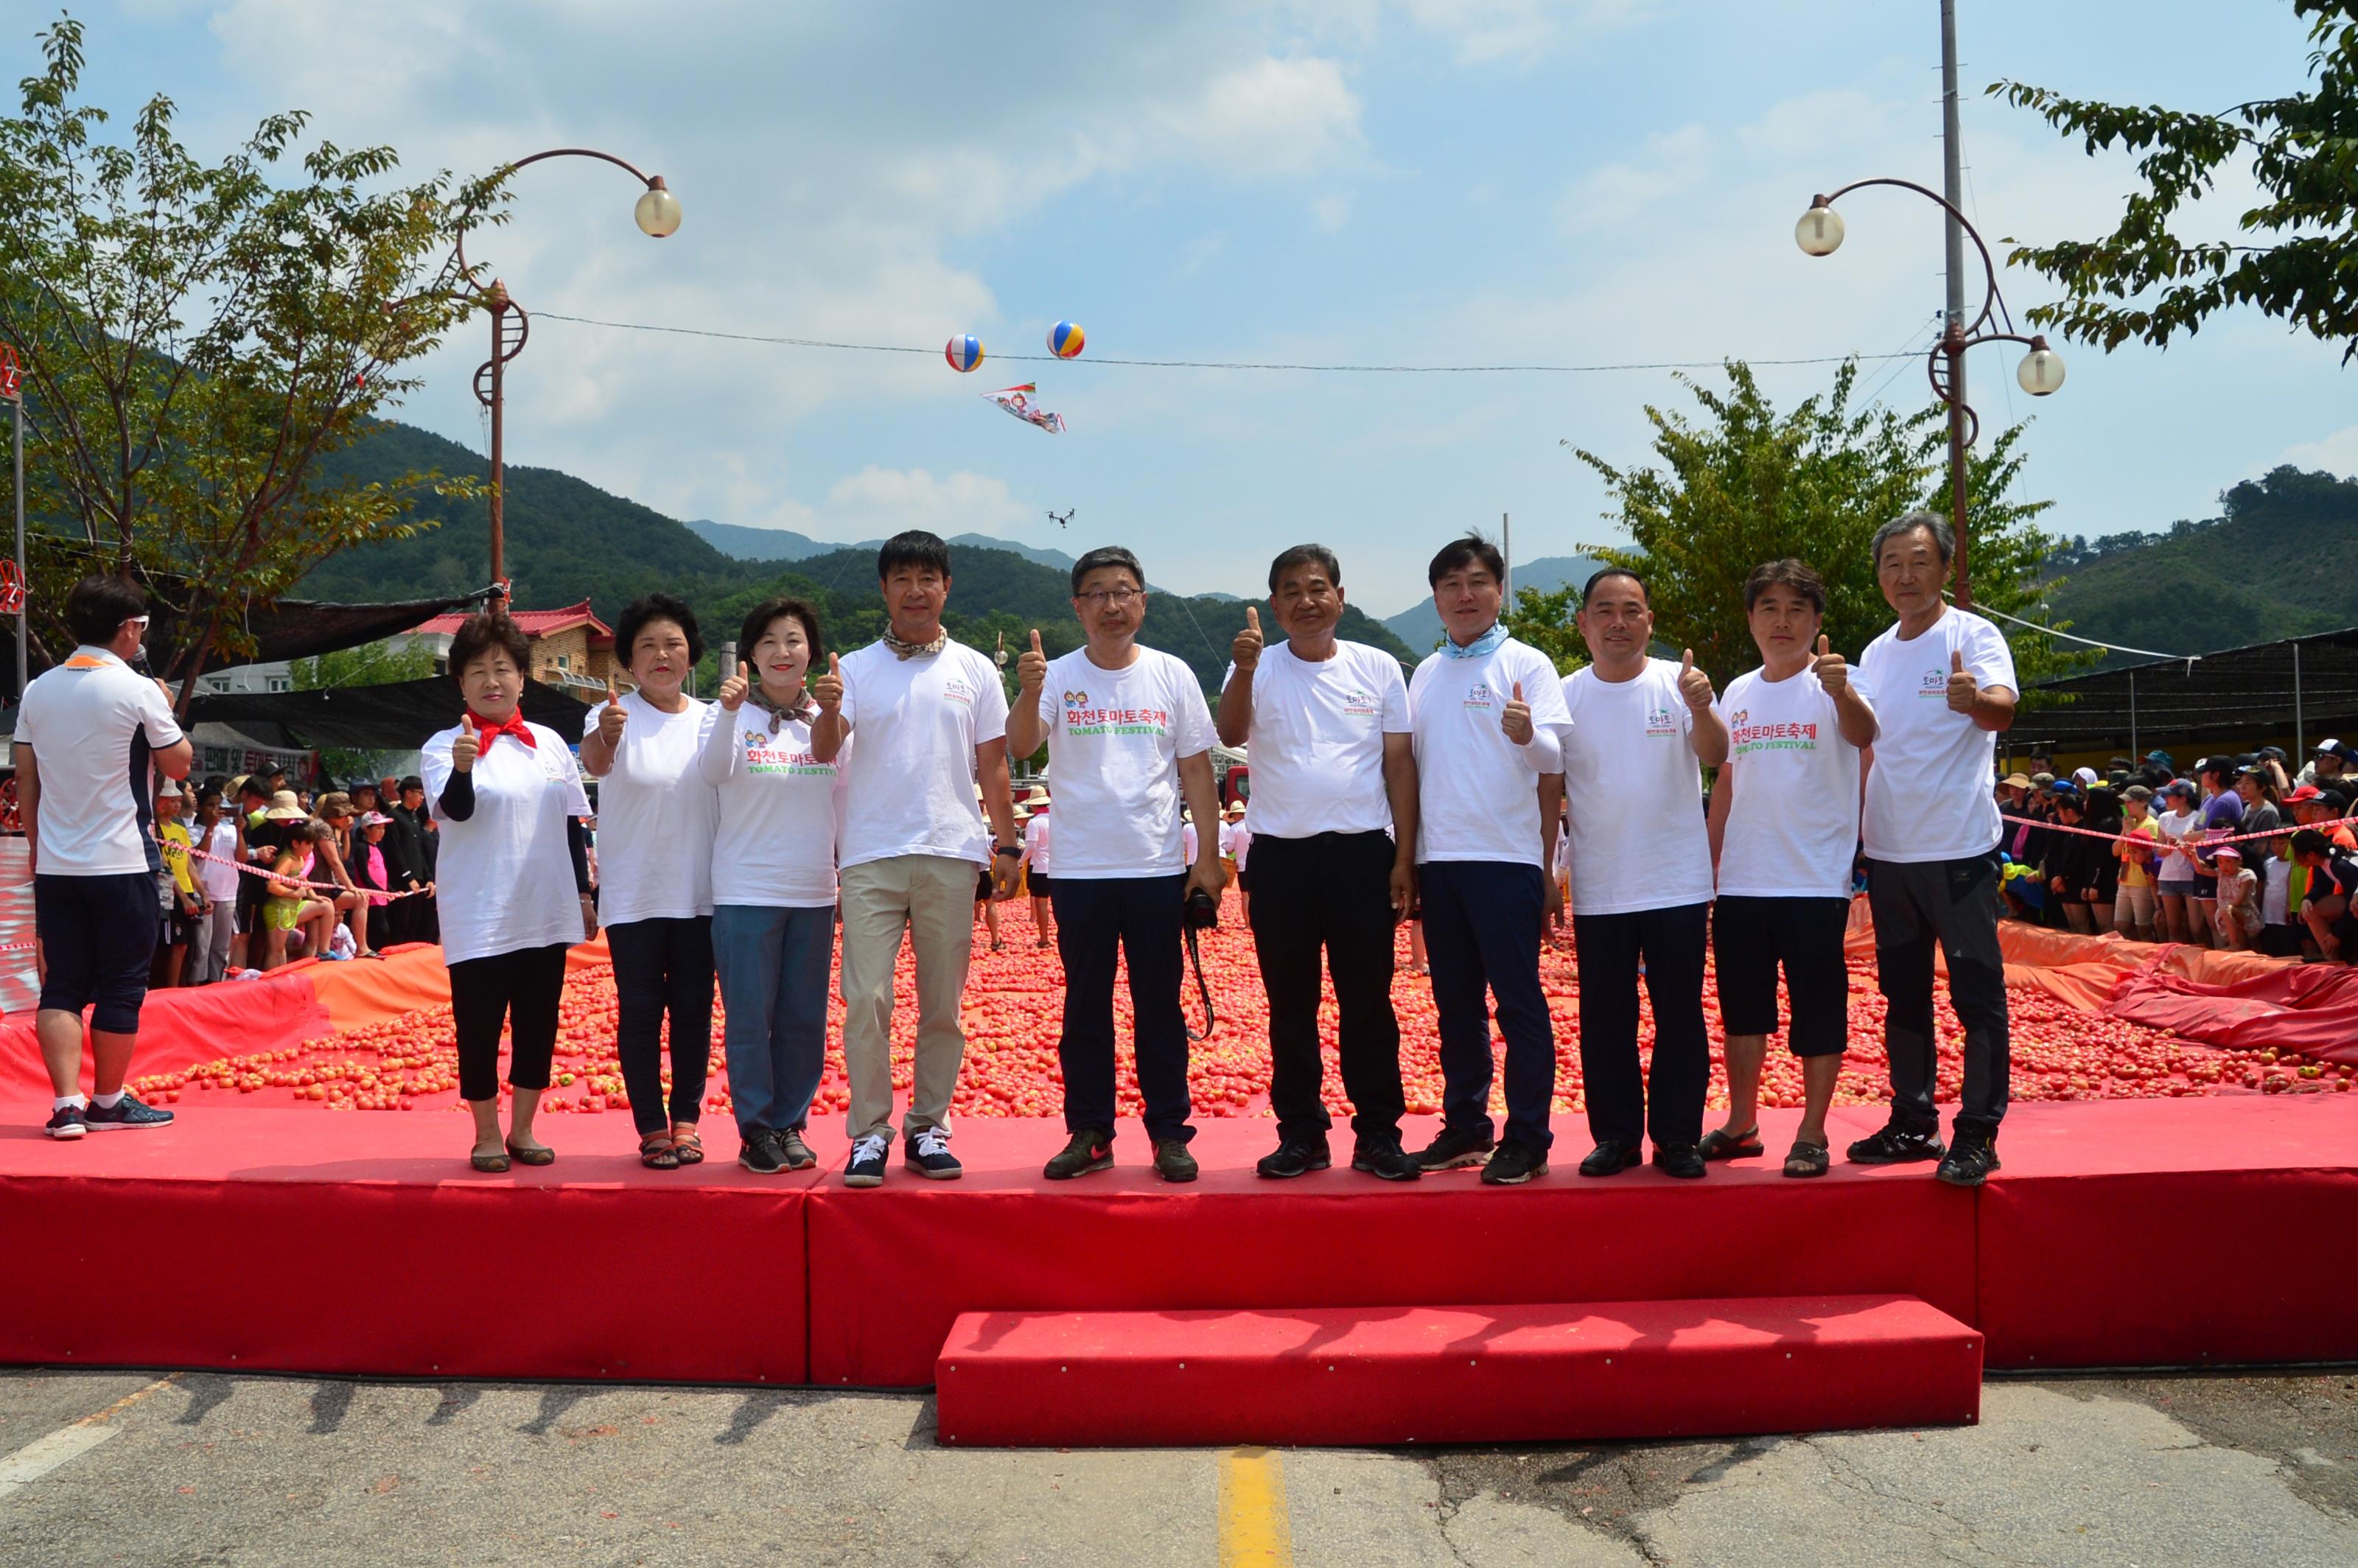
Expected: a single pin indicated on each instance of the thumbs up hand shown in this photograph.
(1516, 719)
(1246, 650)
(466, 747)
(1693, 684)
(1032, 668)
(733, 689)
(1962, 688)
(1831, 670)
(827, 690)
(610, 718)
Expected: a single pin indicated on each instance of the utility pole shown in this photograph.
(1507, 551)
(1953, 187)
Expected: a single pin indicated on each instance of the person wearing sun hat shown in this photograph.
(1036, 855)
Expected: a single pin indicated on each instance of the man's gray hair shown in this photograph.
(1944, 538)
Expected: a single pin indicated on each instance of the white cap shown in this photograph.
(2083, 776)
(2328, 744)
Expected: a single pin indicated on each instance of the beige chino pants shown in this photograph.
(931, 897)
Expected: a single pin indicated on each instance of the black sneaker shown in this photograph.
(1969, 1162)
(867, 1166)
(127, 1112)
(1514, 1165)
(1895, 1145)
(1684, 1160)
(1387, 1161)
(929, 1154)
(1090, 1151)
(1609, 1159)
(758, 1152)
(1171, 1161)
(1454, 1146)
(1293, 1159)
(793, 1153)
(66, 1122)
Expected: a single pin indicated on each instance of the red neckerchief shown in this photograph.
(486, 731)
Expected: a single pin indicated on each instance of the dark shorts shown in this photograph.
(2204, 887)
(982, 887)
(1751, 936)
(1244, 879)
(1036, 884)
(98, 937)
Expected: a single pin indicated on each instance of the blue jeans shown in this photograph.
(1482, 920)
(774, 968)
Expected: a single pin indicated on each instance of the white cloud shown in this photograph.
(1673, 166)
(1272, 118)
(2336, 453)
(1331, 212)
(882, 501)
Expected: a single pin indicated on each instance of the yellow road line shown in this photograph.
(43, 1454)
(1255, 1530)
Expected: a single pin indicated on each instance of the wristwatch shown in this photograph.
(1015, 850)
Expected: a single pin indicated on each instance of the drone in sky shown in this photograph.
(1064, 518)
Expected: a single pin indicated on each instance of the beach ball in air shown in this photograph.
(1064, 339)
(964, 353)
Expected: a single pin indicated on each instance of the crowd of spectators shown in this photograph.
(2239, 851)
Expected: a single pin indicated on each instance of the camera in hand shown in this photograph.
(1202, 913)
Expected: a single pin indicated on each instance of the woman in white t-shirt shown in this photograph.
(655, 819)
(2174, 877)
(774, 883)
(1036, 861)
(511, 881)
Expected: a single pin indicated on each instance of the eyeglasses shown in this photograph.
(1120, 596)
(138, 621)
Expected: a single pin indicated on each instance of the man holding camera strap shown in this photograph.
(1128, 732)
(1487, 716)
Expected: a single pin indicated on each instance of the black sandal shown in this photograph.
(687, 1149)
(1808, 1160)
(543, 1155)
(655, 1152)
(489, 1164)
(1718, 1145)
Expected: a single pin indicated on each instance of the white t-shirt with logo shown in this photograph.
(1479, 790)
(780, 809)
(1930, 795)
(1317, 740)
(1115, 738)
(909, 789)
(504, 878)
(92, 722)
(655, 814)
(1793, 830)
(1035, 843)
(2177, 868)
(1638, 838)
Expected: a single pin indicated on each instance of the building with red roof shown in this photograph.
(570, 647)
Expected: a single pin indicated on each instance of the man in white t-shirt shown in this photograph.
(1239, 851)
(1945, 686)
(1333, 816)
(932, 721)
(1643, 730)
(1784, 832)
(1490, 721)
(1129, 735)
(91, 733)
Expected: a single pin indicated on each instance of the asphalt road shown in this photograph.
(205, 1469)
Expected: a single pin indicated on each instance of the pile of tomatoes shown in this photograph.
(1014, 1001)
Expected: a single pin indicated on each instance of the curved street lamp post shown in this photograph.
(1820, 233)
(657, 214)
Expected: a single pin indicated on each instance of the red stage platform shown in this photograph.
(1490, 1374)
(2124, 1233)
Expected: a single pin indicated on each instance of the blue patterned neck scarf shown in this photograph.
(1488, 642)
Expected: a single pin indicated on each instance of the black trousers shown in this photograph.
(1623, 1099)
(1953, 905)
(1100, 920)
(663, 967)
(1331, 894)
(521, 988)
(1482, 920)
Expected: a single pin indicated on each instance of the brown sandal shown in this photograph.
(1745, 1145)
(539, 1154)
(687, 1146)
(656, 1153)
(489, 1164)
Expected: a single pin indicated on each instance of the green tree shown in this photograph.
(1545, 622)
(197, 338)
(373, 663)
(1749, 484)
(2143, 281)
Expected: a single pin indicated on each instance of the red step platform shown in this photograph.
(1489, 1374)
(2122, 1233)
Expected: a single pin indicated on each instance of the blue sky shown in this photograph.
(1426, 181)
